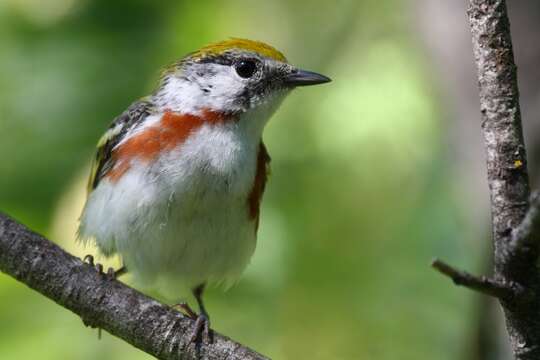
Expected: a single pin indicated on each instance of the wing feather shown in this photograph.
(103, 161)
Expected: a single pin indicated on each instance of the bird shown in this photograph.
(177, 180)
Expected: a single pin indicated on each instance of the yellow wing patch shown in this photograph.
(93, 174)
(242, 44)
(100, 154)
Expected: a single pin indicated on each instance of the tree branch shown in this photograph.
(501, 126)
(515, 220)
(481, 284)
(101, 302)
(526, 237)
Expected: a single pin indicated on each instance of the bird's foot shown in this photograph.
(202, 330)
(89, 259)
(114, 274)
(185, 309)
(87, 324)
(111, 274)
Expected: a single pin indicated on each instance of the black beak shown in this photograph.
(305, 78)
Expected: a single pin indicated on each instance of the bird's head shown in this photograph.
(235, 76)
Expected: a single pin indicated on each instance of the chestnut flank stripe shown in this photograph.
(261, 175)
(172, 130)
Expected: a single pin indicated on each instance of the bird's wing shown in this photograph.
(104, 161)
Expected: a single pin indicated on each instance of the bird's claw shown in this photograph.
(99, 268)
(89, 259)
(114, 274)
(202, 330)
(186, 310)
(111, 274)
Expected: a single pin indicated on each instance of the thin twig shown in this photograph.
(103, 302)
(481, 284)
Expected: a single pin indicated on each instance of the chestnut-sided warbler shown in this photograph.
(177, 181)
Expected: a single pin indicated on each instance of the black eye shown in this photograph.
(245, 68)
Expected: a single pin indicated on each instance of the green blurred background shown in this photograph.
(368, 181)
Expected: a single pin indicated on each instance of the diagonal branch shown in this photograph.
(481, 284)
(526, 237)
(101, 302)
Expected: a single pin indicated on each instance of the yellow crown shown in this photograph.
(241, 44)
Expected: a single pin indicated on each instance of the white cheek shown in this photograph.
(217, 92)
(181, 96)
(225, 87)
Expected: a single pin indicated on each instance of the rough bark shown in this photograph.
(106, 303)
(515, 215)
(448, 48)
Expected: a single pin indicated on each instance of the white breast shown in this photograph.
(184, 218)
